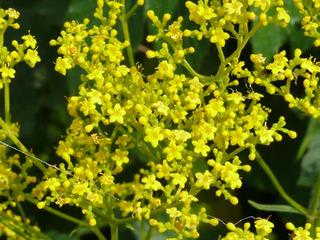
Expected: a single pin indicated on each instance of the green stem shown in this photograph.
(126, 35)
(278, 186)
(142, 232)
(21, 211)
(149, 233)
(7, 116)
(132, 10)
(58, 213)
(114, 232)
(313, 208)
(236, 54)
(69, 218)
(98, 233)
(221, 54)
(314, 204)
(194, 73)
(19, 144)
(234, 153)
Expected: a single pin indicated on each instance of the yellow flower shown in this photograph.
(7, 72)
(265, 135)
(282, 16)
(163, 170)
(32, 57)
(263, 227)
(204, 180)
(300, 233)
(218, 36)
(29, 41)
(173, 212)
(238, 137)
(154, 135)
(200, 13)
(165, 70)
(62, 65)
(173, 151)
(12, 13)
(179, 179)
(120, 157)
(80, 188)
(151, 183)
(117, 113)
(201, 147)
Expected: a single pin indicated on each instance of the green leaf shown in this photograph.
(273, 207)
(310, 165)
(313, 128)
(268, 40)
(297, 39)
(80, 9)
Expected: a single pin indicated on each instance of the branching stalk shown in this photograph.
(20, 145)
(278, 186)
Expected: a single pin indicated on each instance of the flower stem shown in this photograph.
(132, 10)
(126, 35)
(278, 186)
(194, 73)
(69, 218)
(114, 232)
(58, 213)
(20, 145)
(21, 211)
(7, 116)
(313, 208)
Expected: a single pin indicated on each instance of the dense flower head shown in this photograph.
(24, 51)
(302, 233)
(14, 176)
(170, 118)
(311, 21)
(263, 228)
(169, 122)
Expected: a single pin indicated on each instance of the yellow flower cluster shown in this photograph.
(217, 19)
(171, 119)
(311, 21)
(14, 178)
(169, 122)
(262, 226)
(16, 228)
(25, 51)
(302, 233)
(283, 76)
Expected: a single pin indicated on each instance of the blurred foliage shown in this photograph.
(39, 105)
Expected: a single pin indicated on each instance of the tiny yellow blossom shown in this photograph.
(219, 36)
(7, 72)
(117, 113)
(154, 136)
(204, 180)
